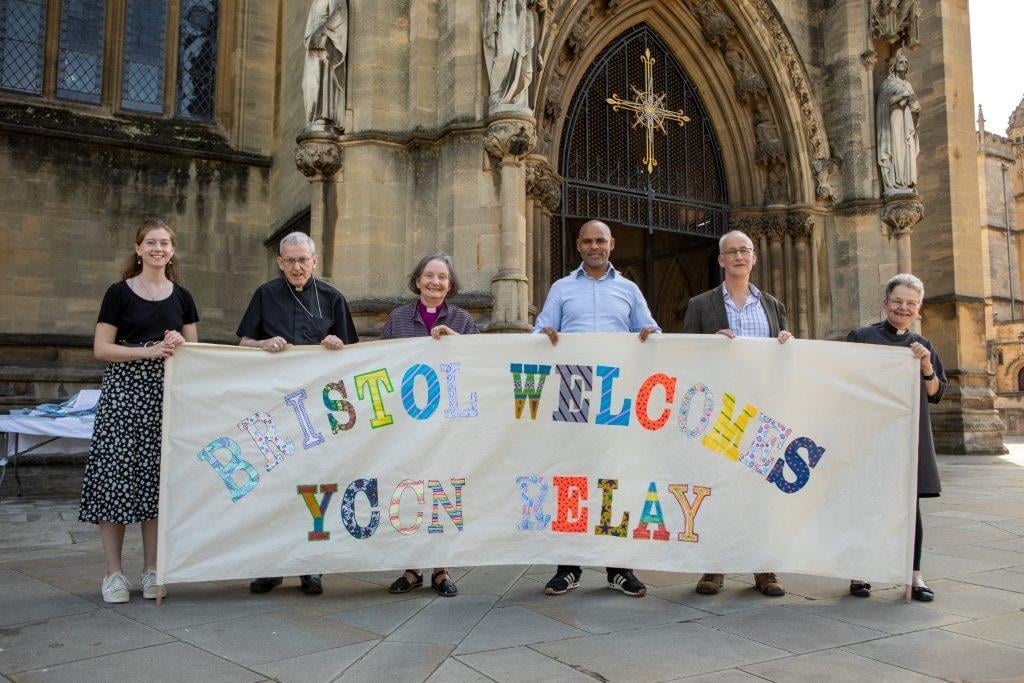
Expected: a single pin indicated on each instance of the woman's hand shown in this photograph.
(173, 338)
(161, 349)
(924, 356)
(441, 330)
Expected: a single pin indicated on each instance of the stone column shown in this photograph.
(901, 215)
(756, 235)
(801, 227)
(319, 158)
(789, 277)
(775, 230)
(953, 318)
(509, 139)
(544, 191)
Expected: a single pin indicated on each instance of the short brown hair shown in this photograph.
(453, 279)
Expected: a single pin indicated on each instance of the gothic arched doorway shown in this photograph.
(628, 160)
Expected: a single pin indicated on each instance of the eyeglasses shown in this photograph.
(901, 303)
(730, 253)
(302, 261)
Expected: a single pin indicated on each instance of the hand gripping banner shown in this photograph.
(684, 453)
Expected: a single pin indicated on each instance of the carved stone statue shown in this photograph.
(895, 19)
(747, 83)
(323, 75)
(509, 31)
(769, 150)
(896, 114)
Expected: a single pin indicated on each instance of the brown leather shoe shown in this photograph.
(709, 584)
(769, 584)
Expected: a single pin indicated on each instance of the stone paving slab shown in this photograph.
(158, 664)
(502, 627)
(71, 638)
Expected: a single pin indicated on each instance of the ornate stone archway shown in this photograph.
(774, 149)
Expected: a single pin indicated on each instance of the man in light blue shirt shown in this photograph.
(595, 298)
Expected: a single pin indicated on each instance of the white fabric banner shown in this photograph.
(685, 453)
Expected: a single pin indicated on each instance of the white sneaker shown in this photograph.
(115, 588)
(150, 590)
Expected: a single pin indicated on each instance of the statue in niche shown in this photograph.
(323, 75)
(747, 83)
(509, 31)
(775, 191)
(770, 150)
(896, 114)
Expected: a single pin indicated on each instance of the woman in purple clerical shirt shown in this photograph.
(433, 280)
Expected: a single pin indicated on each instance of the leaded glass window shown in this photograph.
(145, 43)
(197, 59)
(22, 34)
(80, 55)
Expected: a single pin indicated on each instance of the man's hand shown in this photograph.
(552, 334)
(274, 344)
(646, 332)
(442, 330)
(784, 336)
(332, 342)
(727, 333)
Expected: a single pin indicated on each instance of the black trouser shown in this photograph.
(578, 571)
(918, 538)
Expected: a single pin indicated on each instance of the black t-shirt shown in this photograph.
(303, 316)
(139, 320)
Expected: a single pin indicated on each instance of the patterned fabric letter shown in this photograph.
(605, 528)
(527, 385)
(689, 509)
(570, 517)
(726, 435)
(797, 464)
(453, 410)
(604, 414)
(396, 501)
(317, 509)
(643, 399)
(371, 382)
(226, 470)
(573, 406)
(348, 508)
(310, 437)
(440, 499)
(409, 391)
(651, 515)
(770, 436)
(705, 414)
(272, 446)
(533, 508)
(340, 405)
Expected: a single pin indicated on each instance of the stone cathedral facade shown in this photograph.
(492, 129)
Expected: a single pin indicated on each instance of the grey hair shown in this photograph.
(300, 239)
(733, 233)
(453, 280)
(904, 280)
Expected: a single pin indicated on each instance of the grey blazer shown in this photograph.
(705, 313)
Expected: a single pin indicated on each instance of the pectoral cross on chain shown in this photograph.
(648, 107)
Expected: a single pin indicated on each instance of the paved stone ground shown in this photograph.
(54, 625)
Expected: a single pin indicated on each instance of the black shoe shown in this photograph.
(310, 584)
(445, 587)
(624, 580)
(403, 585)
(562, 583)
(861, 589)
(266, 584)
(922, 593)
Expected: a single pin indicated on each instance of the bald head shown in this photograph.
(595, 244)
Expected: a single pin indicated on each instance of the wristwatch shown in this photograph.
(928, 378)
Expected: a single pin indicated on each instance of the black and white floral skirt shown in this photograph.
(122, 476)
